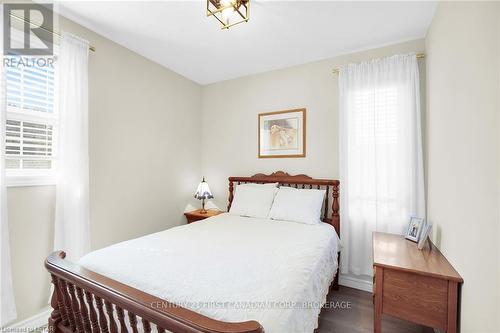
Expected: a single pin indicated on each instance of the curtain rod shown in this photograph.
(419, 56)
(91, 48)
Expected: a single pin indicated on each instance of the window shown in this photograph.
(31, 122)
(374, 139)
(375, 112)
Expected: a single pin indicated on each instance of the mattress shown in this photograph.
(232, 268)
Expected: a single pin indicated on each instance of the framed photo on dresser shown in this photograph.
(414, 229)
(426, 230)
(282, 134)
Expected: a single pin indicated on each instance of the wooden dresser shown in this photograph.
(419, 286)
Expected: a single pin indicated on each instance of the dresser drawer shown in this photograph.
(414, 297)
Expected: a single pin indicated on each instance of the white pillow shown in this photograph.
(267, 185)
(253, 201)
(298, 205)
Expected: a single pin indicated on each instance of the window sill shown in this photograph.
(22, 181)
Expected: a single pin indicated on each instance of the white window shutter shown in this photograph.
(31, 118)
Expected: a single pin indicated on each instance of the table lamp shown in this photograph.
(202, 193)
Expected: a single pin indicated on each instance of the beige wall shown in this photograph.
(144, 163)
(31, 226)
(463, 150)
(230, 109)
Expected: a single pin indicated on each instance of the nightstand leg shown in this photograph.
(377, 310)
(452, 306)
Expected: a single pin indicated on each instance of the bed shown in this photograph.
(225, 274)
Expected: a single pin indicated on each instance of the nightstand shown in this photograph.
(195, 215)
(419, 286)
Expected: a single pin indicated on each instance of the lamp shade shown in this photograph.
(203, 191)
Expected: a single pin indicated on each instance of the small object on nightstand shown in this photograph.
(202, 193)
(197, 215)
(415, 229)
(424, 236)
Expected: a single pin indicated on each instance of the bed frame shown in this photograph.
(84, 301)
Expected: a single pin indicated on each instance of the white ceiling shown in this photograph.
(178, 35)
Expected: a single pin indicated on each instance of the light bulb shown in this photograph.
(227, 13)
(229, 10)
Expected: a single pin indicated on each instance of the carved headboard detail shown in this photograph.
(298, 181)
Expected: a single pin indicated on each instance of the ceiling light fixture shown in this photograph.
(229, 12)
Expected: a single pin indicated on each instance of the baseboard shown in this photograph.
(31, 324)
(355, 283)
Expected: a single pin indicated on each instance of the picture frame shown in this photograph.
(426, 230)
(282, 134)
(414, 229)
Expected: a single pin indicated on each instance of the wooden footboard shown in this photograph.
(84, 301)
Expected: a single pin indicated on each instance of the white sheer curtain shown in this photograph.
(7, 303)
(380, 152)
(72, 230)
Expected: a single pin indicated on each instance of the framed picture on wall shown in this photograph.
(282, 134)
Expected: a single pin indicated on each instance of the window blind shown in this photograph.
(30, 117)
(28, 145)
(31, 88)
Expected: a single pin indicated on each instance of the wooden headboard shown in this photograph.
(298, 181)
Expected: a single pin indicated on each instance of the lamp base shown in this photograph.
(203, 210)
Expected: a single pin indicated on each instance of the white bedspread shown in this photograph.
(232, 268)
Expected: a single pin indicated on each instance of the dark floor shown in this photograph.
(352, 312)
